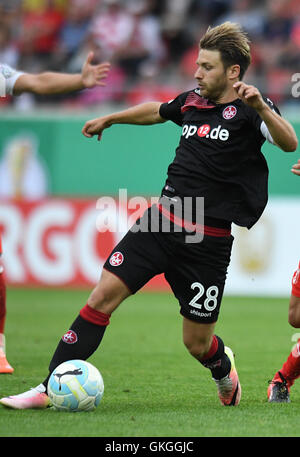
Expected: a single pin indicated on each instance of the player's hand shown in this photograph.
(95, 127)
(250, 95)
(93, 75)
(296, 168)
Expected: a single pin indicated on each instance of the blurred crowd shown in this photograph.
(152, 44)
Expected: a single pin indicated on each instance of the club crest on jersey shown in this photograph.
(70, 337)
(229, 112)
(116, 259)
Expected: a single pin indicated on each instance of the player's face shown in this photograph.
(211, 75)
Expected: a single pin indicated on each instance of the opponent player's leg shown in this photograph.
(294, 310)
(279, 387)
(81, 340)
(5, 367)
(209, 350)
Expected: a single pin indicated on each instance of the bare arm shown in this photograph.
(281, 130)
(144, 114)
(48, 83)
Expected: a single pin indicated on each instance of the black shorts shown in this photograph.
(196, 272)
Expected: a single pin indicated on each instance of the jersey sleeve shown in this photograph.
(10, 76)
(260, 125)
(171, 111)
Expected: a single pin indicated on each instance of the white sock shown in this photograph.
(29, 393)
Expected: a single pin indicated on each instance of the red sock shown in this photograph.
(94, 316)
(291, 368)
(2, 302)
(212, 350)
(216, 359)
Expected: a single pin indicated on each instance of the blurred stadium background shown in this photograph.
(51, 176)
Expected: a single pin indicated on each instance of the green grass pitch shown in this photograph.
(153, 387)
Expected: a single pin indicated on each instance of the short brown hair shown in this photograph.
(232, 43)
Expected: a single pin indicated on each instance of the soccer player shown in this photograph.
(46, 83)
(224, 124)
(279, 387)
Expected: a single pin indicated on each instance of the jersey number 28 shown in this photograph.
(210, 302)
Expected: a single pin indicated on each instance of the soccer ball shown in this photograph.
(75, 385)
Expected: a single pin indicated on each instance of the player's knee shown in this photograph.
(294, 312)
(99, 298)
(197, 348)
(104, 299)
(108, 293)
(294, 320)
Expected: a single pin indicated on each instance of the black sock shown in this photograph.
(80, 342)
(218, 363)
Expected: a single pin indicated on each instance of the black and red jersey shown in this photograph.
(219, 157)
